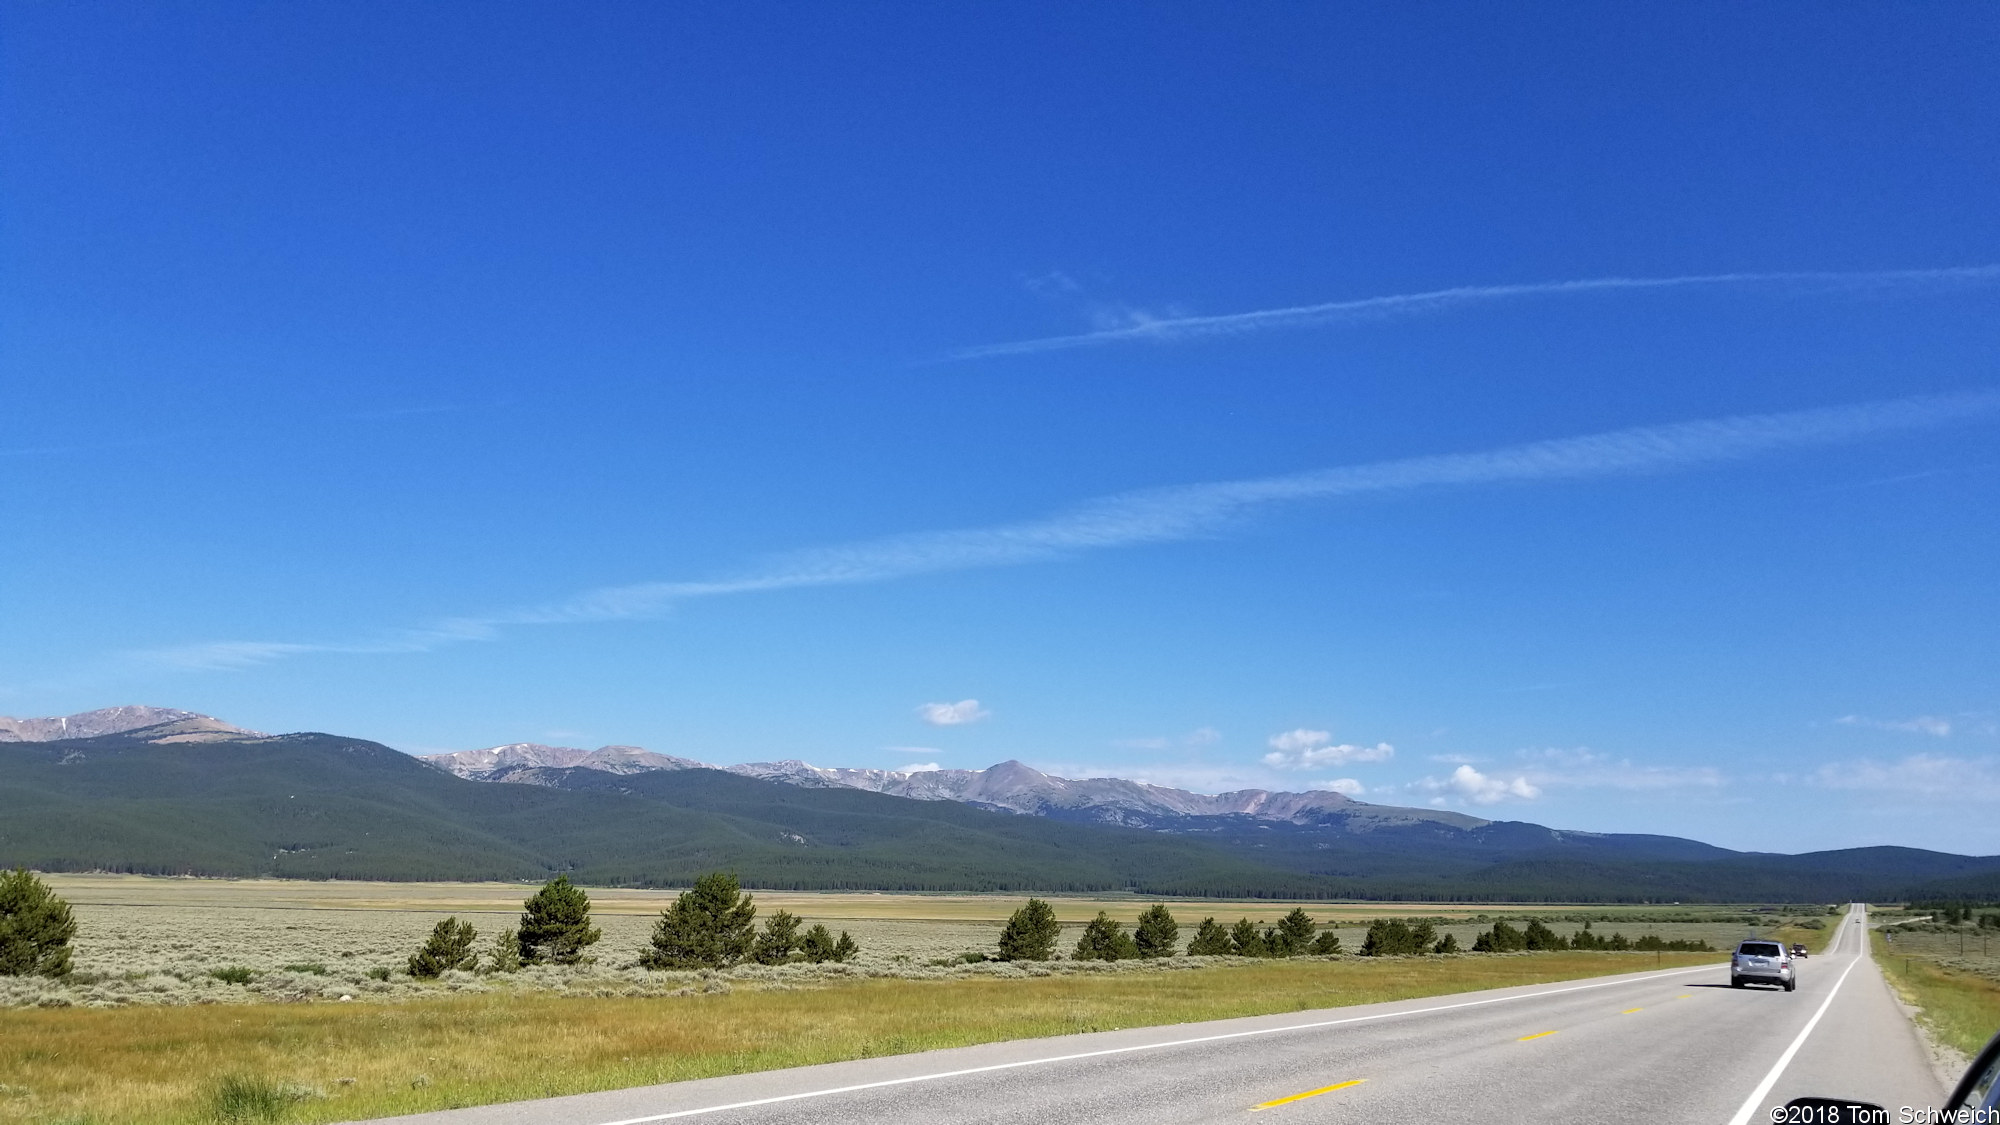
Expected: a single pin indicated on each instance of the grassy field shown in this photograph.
(158, 941)
(1952, 979)
(331, 1062)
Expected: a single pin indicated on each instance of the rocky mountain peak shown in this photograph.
(186, 726)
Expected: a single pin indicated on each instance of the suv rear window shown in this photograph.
(1759, 949)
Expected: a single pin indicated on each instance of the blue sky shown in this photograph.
(1578, 414)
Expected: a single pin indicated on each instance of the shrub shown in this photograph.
(1245, 941)
(242, 1098)
(779, 940)
(1326, 944)
(312, 967)
(1211, 939)
(232, 974)
(449, 947)
(555, 928)
(1157, 932)
(35, 927)
(505, 956)
(1105, 940)
(712, 925)
(379, 972)
(1031, 933)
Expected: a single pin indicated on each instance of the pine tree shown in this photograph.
(35, 927)
(779, 940)
(1422, 936)
(1447, 944)
(712, 925)
(1245, 941)
(1326, 944)
(1031, 933)
(555, 929)
(1211, 939)
(1391, 937)
(1157, 932)
(817, 944)
(505, 956)
(449, 947)
(845, 949)
(1502, 938)
(1294, 934)
(1538, 937)
(1105, 940)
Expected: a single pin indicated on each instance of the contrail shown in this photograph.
(1170, 514)
(1168, 329)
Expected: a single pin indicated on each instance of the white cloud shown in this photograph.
(1932, 776)
(913, 750)
(953, 714)
(1312, 749)
(1922, 724)
(923, 767)
(1203, 736)
(1471, 785)
(1343, 785)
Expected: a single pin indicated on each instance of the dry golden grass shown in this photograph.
(475, 898)
(1958, 1001)
(163, 1065)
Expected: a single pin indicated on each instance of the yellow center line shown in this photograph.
(1685, 996)
(1629, 1011)
(1274, 1102)
(1536, 1035)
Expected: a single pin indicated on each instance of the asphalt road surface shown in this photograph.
(1660, 1048)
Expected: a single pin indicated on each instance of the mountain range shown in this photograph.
(188, 794)
(1008, 787)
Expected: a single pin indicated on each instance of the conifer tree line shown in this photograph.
(1031, 934)
(712, 925)
(1503, 938)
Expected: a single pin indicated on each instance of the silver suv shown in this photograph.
(1761, 962)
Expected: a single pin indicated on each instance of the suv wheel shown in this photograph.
(1791, 984)
(1736, 982)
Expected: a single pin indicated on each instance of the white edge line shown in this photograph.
(1162, 1046)
(1756, 1097)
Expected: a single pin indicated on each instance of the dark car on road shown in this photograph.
(1798, 952)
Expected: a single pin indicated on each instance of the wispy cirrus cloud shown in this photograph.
(1165, 515)
(1169, 329)
(1931, 776)
(1932, 725)
(1584, 768)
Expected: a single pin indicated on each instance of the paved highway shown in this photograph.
(1658, 1047)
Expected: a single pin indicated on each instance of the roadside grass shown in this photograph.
(323, 1062)
(1958, 1005)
